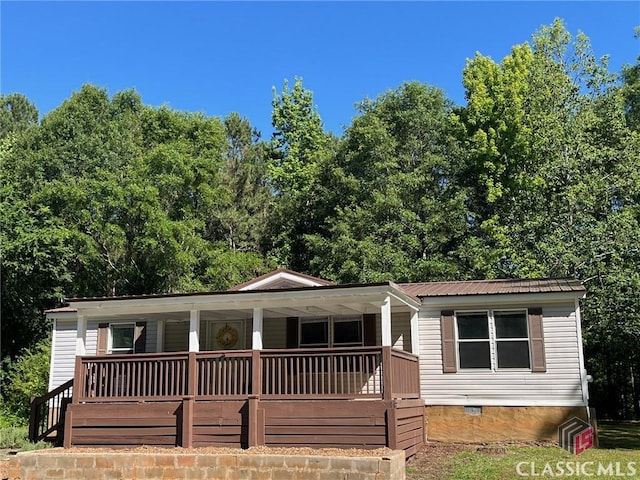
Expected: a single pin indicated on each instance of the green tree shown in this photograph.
(552, 166)
(631, 90)
(17, 113)
(245, 176)
(299, 148)
(394, 212)
(107, 196)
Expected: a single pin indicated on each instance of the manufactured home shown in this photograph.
(288, 359)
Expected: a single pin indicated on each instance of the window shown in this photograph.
(347, 332)
(331, 332)
(121, 337)
(493, 339)
(474, 347)
(512, 339)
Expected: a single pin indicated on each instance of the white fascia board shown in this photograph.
(62, 315)
(280, 276)
(245, 300)
(541, 298)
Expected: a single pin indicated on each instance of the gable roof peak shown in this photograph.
(281, 278)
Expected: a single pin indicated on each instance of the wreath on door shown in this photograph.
(227, 337)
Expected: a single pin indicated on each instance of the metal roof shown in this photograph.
(492, 287)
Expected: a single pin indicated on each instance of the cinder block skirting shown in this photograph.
(194, 466)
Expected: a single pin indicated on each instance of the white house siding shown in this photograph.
(91, 339)
(274, 333)
(560, 385)
(176, 336)
(151, 342)
(401, 331)
(64, 352)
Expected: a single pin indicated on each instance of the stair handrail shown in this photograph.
(47, 413)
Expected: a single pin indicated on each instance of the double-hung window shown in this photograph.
(121, 337)
(493, 339)
(328, 332)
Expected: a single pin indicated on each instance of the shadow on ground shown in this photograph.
(624, 435)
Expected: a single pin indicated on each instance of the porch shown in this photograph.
(355, 397)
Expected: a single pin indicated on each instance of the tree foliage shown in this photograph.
(299, 148)
(395, 212)
(25, 378)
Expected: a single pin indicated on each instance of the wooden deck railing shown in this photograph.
(404, 370)
(131, 377)
(345, 372)
(223, 375)
(46, 421)
(364, 372)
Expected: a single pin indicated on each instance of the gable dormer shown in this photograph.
(281, 278)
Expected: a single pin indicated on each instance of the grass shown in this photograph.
(619, 435)
(549, 462)
(17, 438)
(618, 455)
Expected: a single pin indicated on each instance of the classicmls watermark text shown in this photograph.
(576, 469)
(575, 436)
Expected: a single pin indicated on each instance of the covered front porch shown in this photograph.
(363, 397)
(328, 366)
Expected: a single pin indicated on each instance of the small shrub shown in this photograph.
(17, 438)
(14, 437)
(35, 446)
(26, 377)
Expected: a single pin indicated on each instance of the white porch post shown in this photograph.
(385, 320)
(415, 334)
(194, 331)
(256, 339)
(81, 333)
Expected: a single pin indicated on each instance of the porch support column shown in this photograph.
(385, 320)
(81, 333)
(194, 331)
(415, 334)
(256, 339)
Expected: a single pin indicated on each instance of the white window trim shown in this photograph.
(493, 340)
(110, 349)
(330, 320)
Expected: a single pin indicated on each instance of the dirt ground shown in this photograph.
(430, 463)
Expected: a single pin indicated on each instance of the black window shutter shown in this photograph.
(447, 332)
(140, 337)
(536, 340)
(369, 329)
(292, 332)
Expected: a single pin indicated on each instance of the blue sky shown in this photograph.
(219, 57)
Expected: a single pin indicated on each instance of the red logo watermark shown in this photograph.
(575, 436)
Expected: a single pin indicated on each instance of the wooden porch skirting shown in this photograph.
(242, 423)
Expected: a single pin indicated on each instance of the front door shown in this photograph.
(225, 335)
